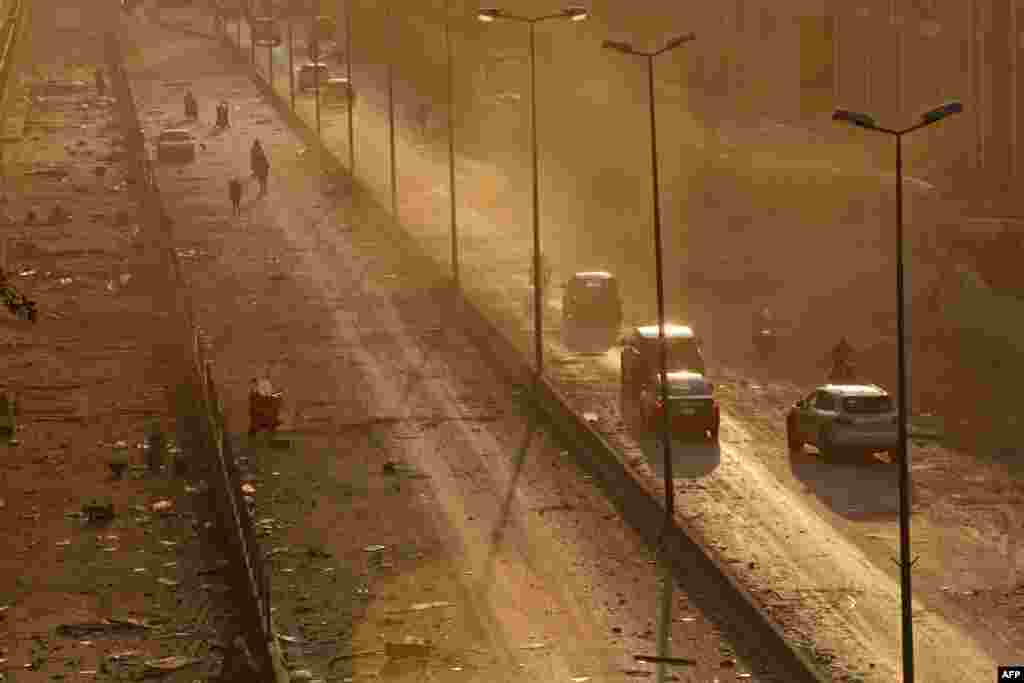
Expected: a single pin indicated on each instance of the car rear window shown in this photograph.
(866, 405)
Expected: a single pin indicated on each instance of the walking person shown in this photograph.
(191, 106)
(101, 82)
(260, 165)
(235, 192)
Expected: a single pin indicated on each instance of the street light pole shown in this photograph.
(252, 37)
(391, 121)
(906, 597)
(538, 280)
(451, 144)
(351, 92)
(314, 43)
(291, 60)
(573, 14)
(666, 437)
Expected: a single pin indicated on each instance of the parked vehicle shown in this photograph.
(176, 144)
(692, 408)
(307, 75)
(844, 417)
(591, 312)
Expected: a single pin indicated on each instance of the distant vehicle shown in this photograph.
(692, 408)
(176, 144)
(266, 32)
(307, 75)
(765, 341)
(337, 91)
(591, 312)
(641, 361)
(844, 417)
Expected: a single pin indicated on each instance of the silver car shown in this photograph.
(844, 417)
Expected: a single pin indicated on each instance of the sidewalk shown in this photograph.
(99, 576)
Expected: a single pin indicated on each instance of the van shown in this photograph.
(591, 312)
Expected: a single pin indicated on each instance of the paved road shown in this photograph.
(544, 577)
(751, 497)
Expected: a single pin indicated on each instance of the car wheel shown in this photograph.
(792, 437)
(825, 446)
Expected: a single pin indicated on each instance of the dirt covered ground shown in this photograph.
(100, 577)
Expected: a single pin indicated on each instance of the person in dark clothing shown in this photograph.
(235, 192)
(222, 115)
(101, 82)
(842, 361)
(191, 106)
(260, 166)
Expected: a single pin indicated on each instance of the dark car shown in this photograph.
(692, 408)
(641, 361)
(591, 312)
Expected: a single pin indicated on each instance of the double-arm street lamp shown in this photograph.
(572, 14)
(866, 121)
(666, 437)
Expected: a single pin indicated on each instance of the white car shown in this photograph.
(176, 144)
(844, 417)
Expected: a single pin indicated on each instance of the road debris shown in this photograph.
(102, 627)
(410, 647)
(172, 663)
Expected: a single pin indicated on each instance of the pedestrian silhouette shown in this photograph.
(235, 193)
(101, 82)
(260, 165)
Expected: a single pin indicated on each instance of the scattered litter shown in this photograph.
(410, 647)
(173, 563)
(248, 489)
(580, 679)
(162, 506)
(103, 627)
(287, 639)
(163, 581)
(65, 281)
(375, 548)
(420, 606)
(533, 646)
(590, 417)
(127, 654)
(63, 544)
(172, 663)
(168, 544)
(140, 570)
(301, 675)
(95, 511)
(28, 273)
(680, 661)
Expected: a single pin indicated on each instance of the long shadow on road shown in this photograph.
(860, 489)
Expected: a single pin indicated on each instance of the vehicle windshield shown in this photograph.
(683, 353)
(176, 136)
(593, 296)
(867, 405)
